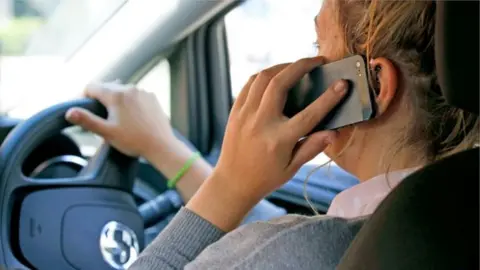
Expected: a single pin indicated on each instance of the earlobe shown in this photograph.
(386, 82)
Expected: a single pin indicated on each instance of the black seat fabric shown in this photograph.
(431, 220)
(457, 52)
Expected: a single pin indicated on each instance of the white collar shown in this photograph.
(362, 199)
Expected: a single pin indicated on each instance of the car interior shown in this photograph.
(59, 185)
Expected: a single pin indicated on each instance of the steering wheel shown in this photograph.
(86, 222)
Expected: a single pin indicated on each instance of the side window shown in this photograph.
(263, 33)
(157, 81)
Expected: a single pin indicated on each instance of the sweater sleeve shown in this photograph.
(179, 243)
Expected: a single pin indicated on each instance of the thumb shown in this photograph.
(311, 147)
(88, 120)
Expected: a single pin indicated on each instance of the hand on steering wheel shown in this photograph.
(136, 124)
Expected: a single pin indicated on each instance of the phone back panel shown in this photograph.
(357, 104)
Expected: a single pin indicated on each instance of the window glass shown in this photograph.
(157, 81)
(37, 37)
(50, 49)
(263, 33)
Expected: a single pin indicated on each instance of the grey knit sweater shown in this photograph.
(289, 242)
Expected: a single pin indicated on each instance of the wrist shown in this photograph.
(168, 158)
(221, 203)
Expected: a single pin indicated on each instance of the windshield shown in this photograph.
(38, 36)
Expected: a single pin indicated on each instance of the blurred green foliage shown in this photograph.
(14, 35)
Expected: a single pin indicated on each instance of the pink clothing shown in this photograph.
(363, 199)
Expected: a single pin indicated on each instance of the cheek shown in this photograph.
(331, 49)
(329, 36)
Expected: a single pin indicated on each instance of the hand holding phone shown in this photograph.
(357, 106)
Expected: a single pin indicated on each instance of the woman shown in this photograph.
(261, 150)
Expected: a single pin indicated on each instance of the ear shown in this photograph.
(386, 75)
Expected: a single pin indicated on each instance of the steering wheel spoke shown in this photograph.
(41, 183)
(49, 183)
(107, 168)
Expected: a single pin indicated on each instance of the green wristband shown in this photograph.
(173, 182)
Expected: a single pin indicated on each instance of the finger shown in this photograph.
(311, 147)
(260, 85)
(242, 97)
(276, 93)
(100, 93)
(105, 92)
(304, 122)
(89, 121)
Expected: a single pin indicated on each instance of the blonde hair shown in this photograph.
(403, 32)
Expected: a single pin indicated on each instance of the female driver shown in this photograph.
(261, 149)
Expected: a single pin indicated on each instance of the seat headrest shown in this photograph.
(456, 52)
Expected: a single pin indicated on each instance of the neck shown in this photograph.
(380, 158)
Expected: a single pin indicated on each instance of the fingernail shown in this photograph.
(340, 87)
(72, 115)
